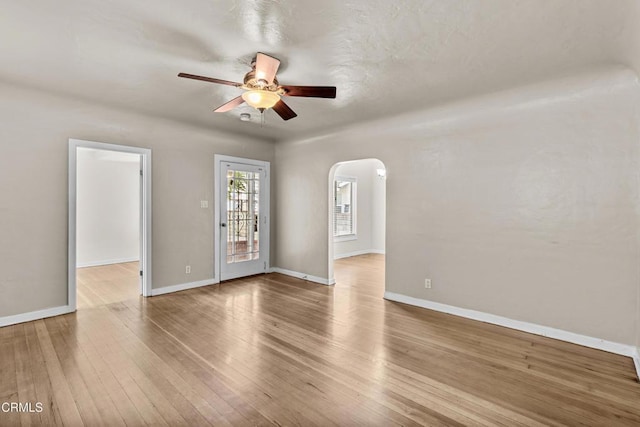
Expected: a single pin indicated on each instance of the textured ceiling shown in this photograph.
(385, 57)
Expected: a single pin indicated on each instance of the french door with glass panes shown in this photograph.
(243, 219)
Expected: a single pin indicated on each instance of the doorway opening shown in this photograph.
(242, 219)
(357, 214)
(109, 223)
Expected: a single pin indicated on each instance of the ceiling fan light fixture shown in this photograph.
(263, 90)
(260, 99)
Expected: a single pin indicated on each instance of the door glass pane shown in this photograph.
(243, 213)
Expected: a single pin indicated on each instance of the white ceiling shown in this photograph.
(385, 57)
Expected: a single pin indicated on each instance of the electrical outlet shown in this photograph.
(204, 204)
(427, 283)
(187, 269)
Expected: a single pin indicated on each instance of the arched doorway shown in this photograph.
(357, 204)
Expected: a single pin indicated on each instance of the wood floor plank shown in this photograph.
(91, 383)
(152, 412)
(72, 371)
(24, 378)
(8, 385)
(41, 381)
(108, 382)
(9, 379)
(63, 398)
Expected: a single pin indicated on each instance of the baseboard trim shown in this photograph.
(182, 287)
(636, 361)
(356, 253)
(303, 276)
(532, 328)
(107, 262)
(35, 315)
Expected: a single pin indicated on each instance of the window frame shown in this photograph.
(353, 208)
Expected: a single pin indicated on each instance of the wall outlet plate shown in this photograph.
(187, 269)
(427, 283)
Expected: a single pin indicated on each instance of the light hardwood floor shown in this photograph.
(274, 350)
(107, 284)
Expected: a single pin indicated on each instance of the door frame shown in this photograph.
(217, 182)
(145, 212)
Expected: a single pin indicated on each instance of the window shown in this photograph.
(344, 207)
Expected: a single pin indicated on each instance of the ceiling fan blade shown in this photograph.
(229, 105)
(284, 111)
(266, 67)
(310, 91)
(209, 79)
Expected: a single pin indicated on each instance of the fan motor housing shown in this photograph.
(251, 82)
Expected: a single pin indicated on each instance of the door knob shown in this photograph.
(223, 224)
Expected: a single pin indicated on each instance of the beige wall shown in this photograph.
(33, 187)
(522, 204)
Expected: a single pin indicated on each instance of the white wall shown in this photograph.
(378, 210)
(528, 201)
(34, 144)
(108, 207)
(370, 208)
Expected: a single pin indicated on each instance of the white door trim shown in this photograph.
(145, 243)
(217, 159)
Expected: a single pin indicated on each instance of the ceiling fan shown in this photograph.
(263, 90)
